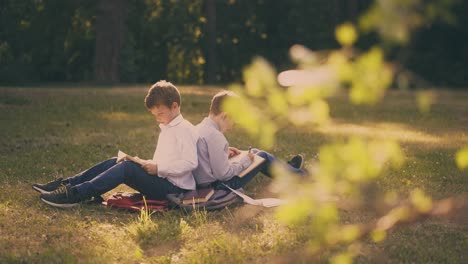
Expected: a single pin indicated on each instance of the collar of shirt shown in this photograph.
(209, 122)
(173, 123)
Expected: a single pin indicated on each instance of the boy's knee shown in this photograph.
(262, 154)
(128, 166)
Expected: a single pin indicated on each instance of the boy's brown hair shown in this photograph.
(162, 93)
(217, 101)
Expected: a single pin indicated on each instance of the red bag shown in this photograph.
(134, 202)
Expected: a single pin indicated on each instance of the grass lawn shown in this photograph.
(52, 131)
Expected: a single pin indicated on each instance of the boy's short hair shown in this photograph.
(217, 101)
(162, 93)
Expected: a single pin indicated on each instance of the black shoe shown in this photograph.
(48, 187)
(63, 197)
(297, 161)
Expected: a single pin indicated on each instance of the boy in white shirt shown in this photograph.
(214, 152)
(170, 170)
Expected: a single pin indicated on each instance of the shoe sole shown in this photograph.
(302, 162)
(37, 189)
(59, 205)
(301, 166)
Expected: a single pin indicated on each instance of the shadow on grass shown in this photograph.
(35, 232)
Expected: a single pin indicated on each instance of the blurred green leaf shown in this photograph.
(378, 235)
(371, 77)
(342, 66)
(343, 258)
(421, 201)
(346, 34)
(320, 112)
(462, 158)
(259, 77)
(425, 99)
(349, 233)
(294, 213)
(277, 102)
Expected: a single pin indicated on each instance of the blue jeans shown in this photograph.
(107, 175)
(237, 182)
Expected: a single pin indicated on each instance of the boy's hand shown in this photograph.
(233, 152)
(150, 166)
(136, 159)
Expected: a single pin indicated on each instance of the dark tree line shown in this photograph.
(199, 41)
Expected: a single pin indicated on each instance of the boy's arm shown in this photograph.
(233, 152)
(218, 152)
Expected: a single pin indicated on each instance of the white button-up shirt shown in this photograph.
(176, 153)
(213, 155)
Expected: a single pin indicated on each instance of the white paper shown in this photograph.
(265, 202)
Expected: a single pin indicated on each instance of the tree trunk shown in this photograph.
(110, 26)
(210, 48)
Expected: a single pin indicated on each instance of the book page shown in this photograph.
(257, 161)
(271, 202)
(123, 156)
(265, 202)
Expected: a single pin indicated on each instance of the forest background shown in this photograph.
(201, 41)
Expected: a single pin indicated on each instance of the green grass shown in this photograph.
(52, 131)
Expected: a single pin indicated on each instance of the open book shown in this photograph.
(257, 161)
(265, 202)
(121, 156)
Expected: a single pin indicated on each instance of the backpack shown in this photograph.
(134, 202)
(219, 200)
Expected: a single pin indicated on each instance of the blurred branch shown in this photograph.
(452, 207)
(449, 207)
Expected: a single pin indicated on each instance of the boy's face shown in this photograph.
(164, 114)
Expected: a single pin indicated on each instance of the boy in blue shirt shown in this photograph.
(214, 152)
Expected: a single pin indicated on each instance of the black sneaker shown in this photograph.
(63, 197)
(297, 161)
(48, 187)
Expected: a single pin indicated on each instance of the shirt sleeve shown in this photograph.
(186, 144)
(218, 150)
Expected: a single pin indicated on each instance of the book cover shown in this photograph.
(198, 196)
(257, 161)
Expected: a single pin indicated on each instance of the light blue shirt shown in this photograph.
(213, 155)
(176, 153)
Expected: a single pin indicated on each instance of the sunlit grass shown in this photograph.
(48, 132)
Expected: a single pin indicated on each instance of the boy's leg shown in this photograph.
(81, 177)
(269, 159)
(152, 186)
(237, 182)
(131, 174)
(91, 173)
